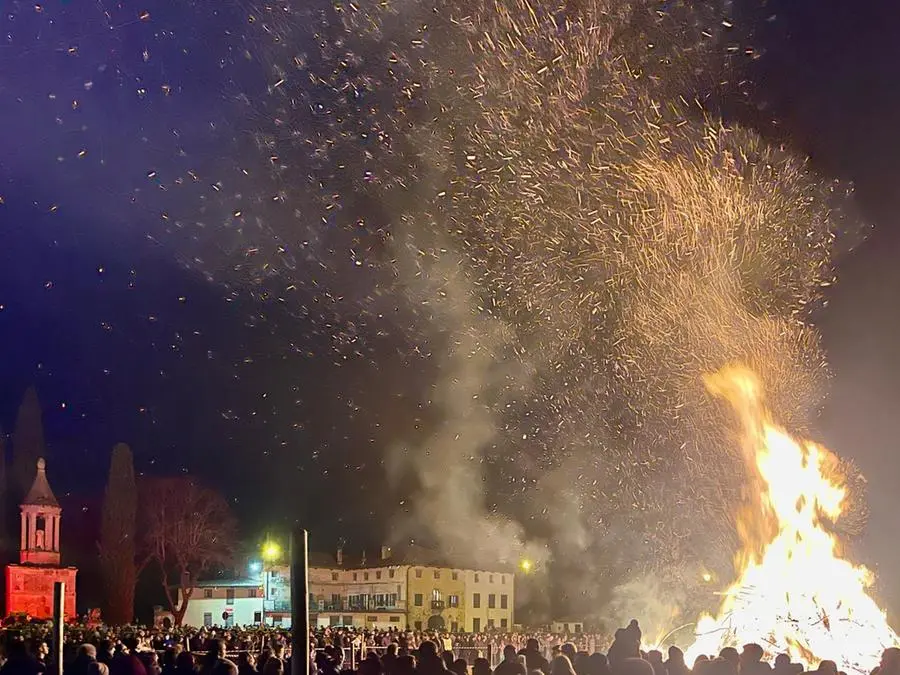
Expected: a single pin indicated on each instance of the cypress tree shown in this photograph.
(28, 444)
(117, 538)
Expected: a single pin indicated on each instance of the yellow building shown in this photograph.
(436, 598)
(413, 594)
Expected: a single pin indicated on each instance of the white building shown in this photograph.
(237, 602)
(489, 601)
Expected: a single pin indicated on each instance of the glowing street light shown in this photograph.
(526, 566)
(707, 577)
(255, 567)
(271, 551)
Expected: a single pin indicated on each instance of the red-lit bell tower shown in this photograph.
(29, 585)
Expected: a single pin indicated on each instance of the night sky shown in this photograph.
(148, 289)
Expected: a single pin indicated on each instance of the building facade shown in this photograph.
(236, 602)
(387, 594)
(30, 584)
(437, 598)
(490, 598)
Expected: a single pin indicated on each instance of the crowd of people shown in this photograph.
(346, 651)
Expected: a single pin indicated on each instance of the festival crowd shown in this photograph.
(346, 651)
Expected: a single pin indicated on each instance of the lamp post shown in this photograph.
(271, 552)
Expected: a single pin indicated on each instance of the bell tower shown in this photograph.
(29, 585)
(40, 522)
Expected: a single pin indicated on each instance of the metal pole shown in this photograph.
(299, 602)
(59, 618)
(262, 614)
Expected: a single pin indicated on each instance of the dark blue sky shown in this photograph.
(140, 257)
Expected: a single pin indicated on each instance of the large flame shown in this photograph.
(794, 592)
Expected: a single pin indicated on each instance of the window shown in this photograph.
(355, 576)
(334, 576)
(492, 601)
(503, 579)
(365, 576)
(391, 573)
(395, 619)
(454, 627)
(476, 578)
(504, 624)
(476, 602)
(490, 578)
(418, 574)
(453, 601)
(251, 592)
(577, 627)
(392, 600)
(476, 625)
(437, 574)
(207, 619)
(334, 620)
(257, 617)
(490, 624)
(207, 593)
(504, 601)
(417, 600)
(371, 619)
(229, 596)
(347, 620)
(378, 574)
(454, 575)
(418, 625)
(436, 595)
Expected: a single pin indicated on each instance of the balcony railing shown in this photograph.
(278, 606)
(437, 605)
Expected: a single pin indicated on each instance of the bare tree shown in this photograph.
(188, 531)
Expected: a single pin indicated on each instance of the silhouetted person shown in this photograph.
(561, 665)
(751, 662)
(675, 664)
(429, 663)
(600, 664)
(19, 661)
(655, 659)
(481, 666)
(86, 655)
(389, 660)
(128, 663)
(216, 663)
(533, 657)
(510, 665)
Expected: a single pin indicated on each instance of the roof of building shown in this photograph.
(40, 493)
(411, 555)
(229, 583)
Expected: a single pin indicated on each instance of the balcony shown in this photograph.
(438, 605)
(278, 606)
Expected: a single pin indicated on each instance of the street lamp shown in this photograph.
(526, 566)
(271, 552)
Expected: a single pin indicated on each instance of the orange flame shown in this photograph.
(794, 593)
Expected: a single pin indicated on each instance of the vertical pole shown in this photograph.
(299, 602)
(59, 617)
(262, 614)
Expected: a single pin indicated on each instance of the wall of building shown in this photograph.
(481, 586)
(369, 620)
(436, 594)
(366, 589)
(209, 611)
(242, 603)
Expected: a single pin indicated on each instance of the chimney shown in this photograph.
(339, 558)
(385, 552)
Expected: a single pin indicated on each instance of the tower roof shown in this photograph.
(40, 493)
